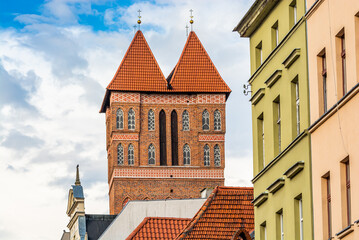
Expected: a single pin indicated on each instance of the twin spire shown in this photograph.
(140, 72)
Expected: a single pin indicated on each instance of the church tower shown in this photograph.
(164, 137)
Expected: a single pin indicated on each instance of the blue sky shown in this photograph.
(56, 59)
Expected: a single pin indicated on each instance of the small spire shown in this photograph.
(77, 182)
(139, 19)
(134, 28)
(191, 21)
(187, 30)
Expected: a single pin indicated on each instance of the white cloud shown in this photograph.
(63, 67)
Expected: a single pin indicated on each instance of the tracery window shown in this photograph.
(119, 119)
(217, 120)
(206, 155)
(151, 154)
(217, 156)
(151, 120)
(185, 120)
(186, 155)
(205, 120)
(120, 154)
(131, 154)
(131, 119)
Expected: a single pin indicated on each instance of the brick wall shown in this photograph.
(141, 138)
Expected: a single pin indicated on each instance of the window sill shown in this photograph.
(345, 231)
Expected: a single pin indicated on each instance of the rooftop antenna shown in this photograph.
(139, 19)
(187, 30)
(134, 29)
(191, 21)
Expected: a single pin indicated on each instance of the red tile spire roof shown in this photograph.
(138, 70)
(227, 214)
(195, 71)
(158, 228)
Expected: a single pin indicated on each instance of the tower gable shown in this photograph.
(195, 71)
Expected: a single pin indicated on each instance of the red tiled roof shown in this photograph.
(227, 214)
(138, 70)
(158, 228)
(195, 71)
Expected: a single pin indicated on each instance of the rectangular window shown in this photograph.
(258, 54)
(328, 208)
(300, 203)
(297, 106)
(261, 148)
(280, 225)
(263, 234)
(346, 196)
(277, 118)
(275, 35)
(322, 82)
(344, 67)
(293, 13)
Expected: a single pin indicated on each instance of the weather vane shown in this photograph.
(139, 19)
(191, 21)
(187, 30)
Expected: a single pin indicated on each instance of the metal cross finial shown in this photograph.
(187, 30)
(139, 19)
(191, 21)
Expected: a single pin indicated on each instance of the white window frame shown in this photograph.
(206, 155)
(205, 120)
(119, 119)
(186, 154)
(185, 120)
(120, 155)
(217, 155)
(151, 154)
(217, 120)
(281, 226)
(301, 225)
(131, 154)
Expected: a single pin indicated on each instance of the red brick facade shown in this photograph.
(142, 180)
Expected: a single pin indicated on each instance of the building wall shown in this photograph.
(135, 211)
(289, 60)
(141, 138)
(334, 133)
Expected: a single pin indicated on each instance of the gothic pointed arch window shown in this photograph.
(206, 155)
(151, 154)
(131, 119)
(131, 154)
(151, 120)
(205, 120)
(217, 120)
(217, 156)
(186, 155)
(119, 119)
(185, 120)
(120, 154)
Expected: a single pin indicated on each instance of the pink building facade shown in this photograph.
(333, 59)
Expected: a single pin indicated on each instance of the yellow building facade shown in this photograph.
(280, 118)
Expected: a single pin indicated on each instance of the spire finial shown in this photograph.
(191, 21)
(139, 19)
(134, 28)
(187, 30)
(77, 182)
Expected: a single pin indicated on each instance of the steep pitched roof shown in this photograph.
(195, 71)
(158, 228)
(139, 70)
(227, 214)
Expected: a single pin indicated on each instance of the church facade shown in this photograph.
(165, 137)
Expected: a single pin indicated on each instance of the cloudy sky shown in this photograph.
(56, 58)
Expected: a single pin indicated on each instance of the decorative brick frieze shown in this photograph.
(125, 97)
(183, 99)
(168, 173)
(210, 138)
(211, 98)
(124, 136)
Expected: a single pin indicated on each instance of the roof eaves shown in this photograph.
(254, 17)
(105, 101)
